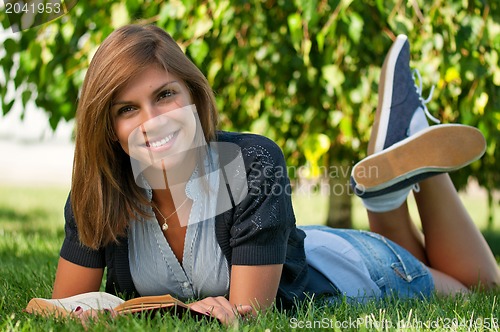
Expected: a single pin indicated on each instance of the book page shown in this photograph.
(149, 302)
(93, 300)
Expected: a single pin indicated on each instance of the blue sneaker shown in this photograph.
(437, 149)
(401, 110)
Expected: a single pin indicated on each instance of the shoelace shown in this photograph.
(424, 101)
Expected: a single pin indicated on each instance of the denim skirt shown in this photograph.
(394, 270)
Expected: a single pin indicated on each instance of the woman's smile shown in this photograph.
(161, 143)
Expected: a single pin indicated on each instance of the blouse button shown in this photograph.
(185, 284)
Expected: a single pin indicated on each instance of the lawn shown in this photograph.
(31, 232)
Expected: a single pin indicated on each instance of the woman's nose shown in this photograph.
(153, 119)
(150, 112)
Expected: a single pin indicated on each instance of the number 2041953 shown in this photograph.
(33, 8)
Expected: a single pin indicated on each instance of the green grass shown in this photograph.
(31, 232)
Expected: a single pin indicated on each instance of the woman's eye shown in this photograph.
(125, 109)
(166, 94)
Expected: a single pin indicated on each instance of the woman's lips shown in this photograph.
(161, 143)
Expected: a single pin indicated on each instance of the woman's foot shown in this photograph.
(437, 149)
(403, 149)
(401, 110)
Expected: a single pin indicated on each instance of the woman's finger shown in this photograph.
(244, 310)
(218, 307)
(225, 316)
(223, 302)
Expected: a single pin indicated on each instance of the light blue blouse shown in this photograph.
(204, 270)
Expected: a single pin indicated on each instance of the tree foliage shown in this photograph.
(303, 72)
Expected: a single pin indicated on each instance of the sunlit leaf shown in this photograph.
(480, 103)
(452, 74)
(295, 26)
(333, 75)
(119, 15)
(198, 51)
(314, 147)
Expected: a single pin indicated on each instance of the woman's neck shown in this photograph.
(160, 177)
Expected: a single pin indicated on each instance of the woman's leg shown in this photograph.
(453, 243)
(453, 246)
(398, 226)
(401, 146)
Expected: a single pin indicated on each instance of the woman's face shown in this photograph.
(155, 119)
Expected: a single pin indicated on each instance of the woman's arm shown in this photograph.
(255, 235)
(72, 279)
(254, 285)
(251, 288)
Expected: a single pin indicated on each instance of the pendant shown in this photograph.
(164, 226)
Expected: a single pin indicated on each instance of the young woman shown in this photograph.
(168, 204)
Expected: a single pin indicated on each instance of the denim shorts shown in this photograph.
(394, 270)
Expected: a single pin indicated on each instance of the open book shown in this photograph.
(106, 301)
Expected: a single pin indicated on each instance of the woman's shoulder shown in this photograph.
(251, 145)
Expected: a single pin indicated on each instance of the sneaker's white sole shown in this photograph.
(381, 123)
(440, 148)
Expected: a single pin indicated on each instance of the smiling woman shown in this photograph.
(134, 75)
(167, 204)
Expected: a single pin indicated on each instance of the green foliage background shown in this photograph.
(303, 72)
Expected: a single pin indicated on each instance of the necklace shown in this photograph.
(164, 226)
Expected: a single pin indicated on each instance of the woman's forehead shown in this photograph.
(149, 77)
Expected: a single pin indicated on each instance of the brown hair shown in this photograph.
(104, 195)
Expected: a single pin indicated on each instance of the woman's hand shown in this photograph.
(220, 308)
(91, 314)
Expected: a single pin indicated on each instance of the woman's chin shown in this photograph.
(177, 169)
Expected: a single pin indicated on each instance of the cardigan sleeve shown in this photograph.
(262, 221)
(72, 250)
